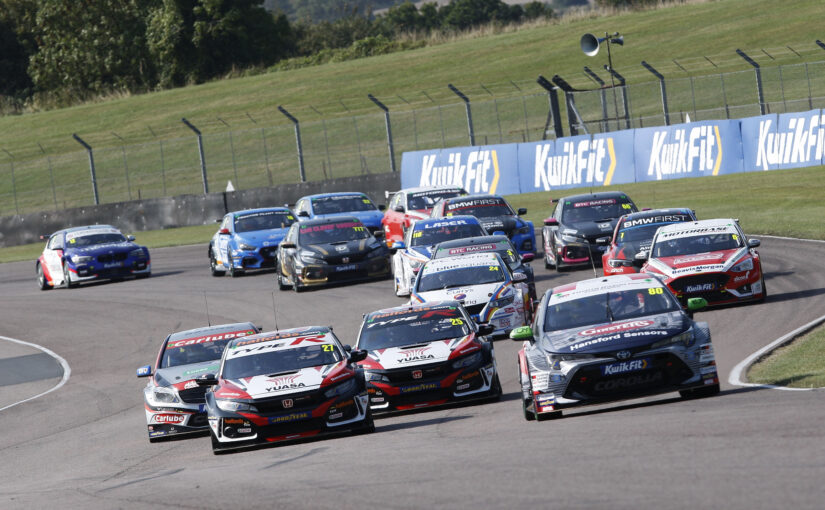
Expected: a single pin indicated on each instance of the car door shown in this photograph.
(223, 240)
(287, 255)
(393, 219)
(53, 258)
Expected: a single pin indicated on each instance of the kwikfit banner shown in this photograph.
(697, 149)
(688, 150)
(577, 161)
(789, 140)
(489, 169)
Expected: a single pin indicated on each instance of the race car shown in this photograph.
(330, 250)
(712, 259)
(578, 231)
(483, 283)
(416, 248)
(248, 240)
(173, 401)
(499, 244)
(93, 252)
(495, 215)
(409, 205)
(426, 355)
(285, 385)
(612, 338)
(326, 205)
(633, 234)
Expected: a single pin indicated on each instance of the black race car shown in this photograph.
(499, 244)
(580, 228)
(495, 215)
(337, 249)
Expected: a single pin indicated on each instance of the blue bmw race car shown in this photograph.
(325, 205)
(94, 252)
(248, 240)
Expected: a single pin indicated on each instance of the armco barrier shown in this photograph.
(183, 210)
(707, 148)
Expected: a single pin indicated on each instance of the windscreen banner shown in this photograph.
(789, 140)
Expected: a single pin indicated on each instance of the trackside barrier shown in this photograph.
(696, 149)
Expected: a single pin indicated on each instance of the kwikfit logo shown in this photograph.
(581, 162)
(479, 174)
(802, 142)
(692, 150)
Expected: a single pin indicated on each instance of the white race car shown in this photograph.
(483, 283)
(418, 242)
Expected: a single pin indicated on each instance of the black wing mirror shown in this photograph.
(207, 380)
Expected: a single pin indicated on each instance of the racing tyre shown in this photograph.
(559, 268)
(707, 391)
(764, 292)
(547, 263)
(234, 272)
(369, 424)
(527, 407)
(214, 266)
(297, 287)
(547, 416)
(143, 275)
(495, 390)
(216, 446)
(41, 279)
(66, 277)
(281, 281)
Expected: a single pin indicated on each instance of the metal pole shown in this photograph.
(622, 83)
(125, 164)
(759, 91)
(612, 83)
(595, 77)
(662, 89)
(381, 105)
(469, 113)
(555, 111)
(301, 170)
(569, 102)
(200, 153)
(91, 165)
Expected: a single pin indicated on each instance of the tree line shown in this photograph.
(59, 52)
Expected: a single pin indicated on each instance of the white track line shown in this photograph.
(735, 377)
(789, 238)
(66, 370)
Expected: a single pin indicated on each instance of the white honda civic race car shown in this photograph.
(483, 283)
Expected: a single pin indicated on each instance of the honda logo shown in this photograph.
(623, 354)
(287, 403)
(417, 374)
(345, 260)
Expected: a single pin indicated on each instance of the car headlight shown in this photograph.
(80, 259)
(554, 360)
(746, 265)
(415, 264)
(310, 257)
(685, 338)
(523, 230)
(246, 247)
(233, 406)
(137, 254)
(341, 389)
(467, 361)
(374, 376)
(503, 301)
(377, 251)
(165, 395)
(619, 263)
(571, 238)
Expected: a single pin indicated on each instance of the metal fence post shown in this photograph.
(623, 84)
(162, 169)
(571, 105)
(554, 112)
(91, 165)
(602, 95)
(200, 153)
(289, 116)
(469, 113)
(125, 164)
(758, 70)
(381, 105)
(662, 89)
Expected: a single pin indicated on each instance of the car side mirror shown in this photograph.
(382, 207)
(144, 371)
(398, 245)
(519, 277)
(486, 329)
(521, 210)
(130, 238)
(287, 246)
(528, 257)
(348, 347)
(219, 220)
(695, 304)
(522, 333)
(642, 256)
(357, 355)
(207, 380)
(379, 234)
(223, 231)
(753, 243)
(551, 222)
(303, 214)
(399, 208)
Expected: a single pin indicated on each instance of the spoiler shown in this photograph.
(388, 193)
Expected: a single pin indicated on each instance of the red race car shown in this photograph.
(411, 204)
(633, 234)
(711, 259)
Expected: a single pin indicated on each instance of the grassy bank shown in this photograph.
(800, 364)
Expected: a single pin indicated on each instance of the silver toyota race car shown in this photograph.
(173, 400)
(612, 338)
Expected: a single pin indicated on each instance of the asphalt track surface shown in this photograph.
(85, 445)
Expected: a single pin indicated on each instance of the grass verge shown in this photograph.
(800, 364)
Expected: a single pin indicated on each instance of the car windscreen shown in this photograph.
(608, 307)
(596, 210)
(94, 239)
(342, 204)
(643, 229)
(504, 249)
(193, 353)
(695, 244)
(332, 232)
(426, 200)
(412, 328)
(265, 220)
(459, 277)
(430, 235)
(278, 361)
(481, 208)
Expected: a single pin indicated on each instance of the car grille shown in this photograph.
(299, 400)
(335, 259)
(700, 283)
(405, 375)
(110, 257)
(665, 370)
(193, 395)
